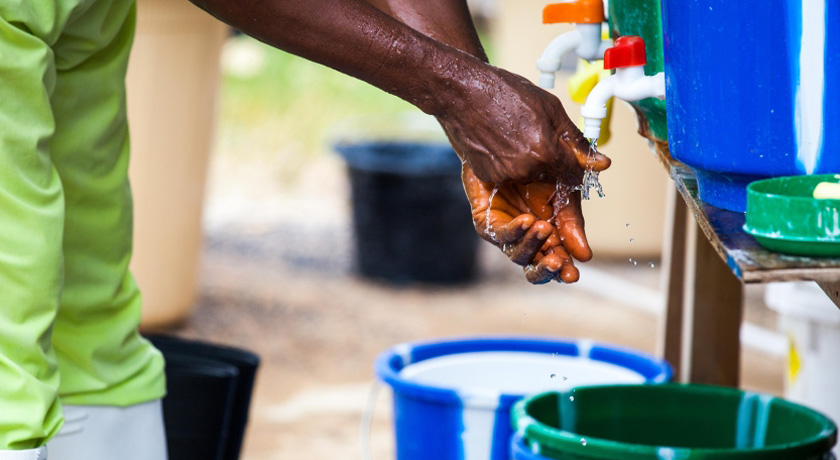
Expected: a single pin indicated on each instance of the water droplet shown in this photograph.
(553, 375)
(630, 260)
(571, 399)
(582, 441)
(635, 263)
(627, 224)
(652, 265)
(523, 317)
(632, 239)
(565, 378)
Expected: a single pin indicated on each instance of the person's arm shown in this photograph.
(351, 36)
(522, 219)
(505, 127)
(447, 21)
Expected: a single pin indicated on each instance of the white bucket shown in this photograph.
(811, 322)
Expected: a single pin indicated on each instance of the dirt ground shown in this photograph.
(277, 278)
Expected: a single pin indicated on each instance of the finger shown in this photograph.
(551, 242)
(549, 266)
(586, 155)
(541, 273)
(516, 229)
(590, 158)
(570, 224)
(568, 272)
(523, 252)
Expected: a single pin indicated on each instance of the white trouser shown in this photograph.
(29, 454)
(109, 433)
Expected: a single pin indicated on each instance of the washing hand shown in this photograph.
(509, 130)
(539, 225)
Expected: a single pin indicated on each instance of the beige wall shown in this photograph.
(635, 185)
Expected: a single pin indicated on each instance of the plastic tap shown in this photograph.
(629, 82)
(581, 83)
(587, 15)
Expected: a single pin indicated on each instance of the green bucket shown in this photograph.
(669, 422)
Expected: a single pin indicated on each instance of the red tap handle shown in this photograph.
(628, 50)
(576, 11)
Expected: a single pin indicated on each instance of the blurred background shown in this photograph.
(244, 229)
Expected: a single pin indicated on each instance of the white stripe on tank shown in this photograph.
(810, 98)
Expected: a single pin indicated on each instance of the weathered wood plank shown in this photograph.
(749, 261)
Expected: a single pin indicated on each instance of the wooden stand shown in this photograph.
(707, 259)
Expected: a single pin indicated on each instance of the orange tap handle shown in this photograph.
(576, 11)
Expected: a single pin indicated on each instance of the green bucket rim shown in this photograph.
(756, 186)
(784, 217)
(569, 442)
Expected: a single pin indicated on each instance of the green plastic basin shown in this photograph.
(783, 216)
(671, 422)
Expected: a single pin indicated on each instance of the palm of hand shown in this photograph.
(539, 225)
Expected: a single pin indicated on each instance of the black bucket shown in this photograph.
(411, 218)
(208, 397)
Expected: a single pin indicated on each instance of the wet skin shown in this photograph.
(507, 131)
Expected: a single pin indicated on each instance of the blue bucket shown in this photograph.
(452, 398)
(753, 91)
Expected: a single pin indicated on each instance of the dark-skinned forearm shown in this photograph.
(448, 21)
(353, 37)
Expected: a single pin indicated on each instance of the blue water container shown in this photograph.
(452, 397)
(753, 91)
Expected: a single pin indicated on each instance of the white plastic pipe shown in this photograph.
(585, 40)
(591, 46)
(628, 84)
(552, 56)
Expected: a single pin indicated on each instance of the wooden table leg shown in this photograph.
(712, 316)
(673, 269)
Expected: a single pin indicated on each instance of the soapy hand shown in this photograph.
(509, 130)
(539, 225)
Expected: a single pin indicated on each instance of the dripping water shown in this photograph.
(489, 230)
(590, 177)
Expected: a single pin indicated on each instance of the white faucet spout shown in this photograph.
(595, 108)
(552, 57)
(628, 84)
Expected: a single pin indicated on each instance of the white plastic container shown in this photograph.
(811, 322)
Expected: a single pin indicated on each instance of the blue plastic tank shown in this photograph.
(753, 91)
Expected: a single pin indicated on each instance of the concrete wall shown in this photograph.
(635, 185)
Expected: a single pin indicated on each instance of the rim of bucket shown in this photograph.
(758, 188)
(389, 364)
(530, 428)
(414, 157)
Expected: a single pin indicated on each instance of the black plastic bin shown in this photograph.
(208, 397)
(411, 218)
